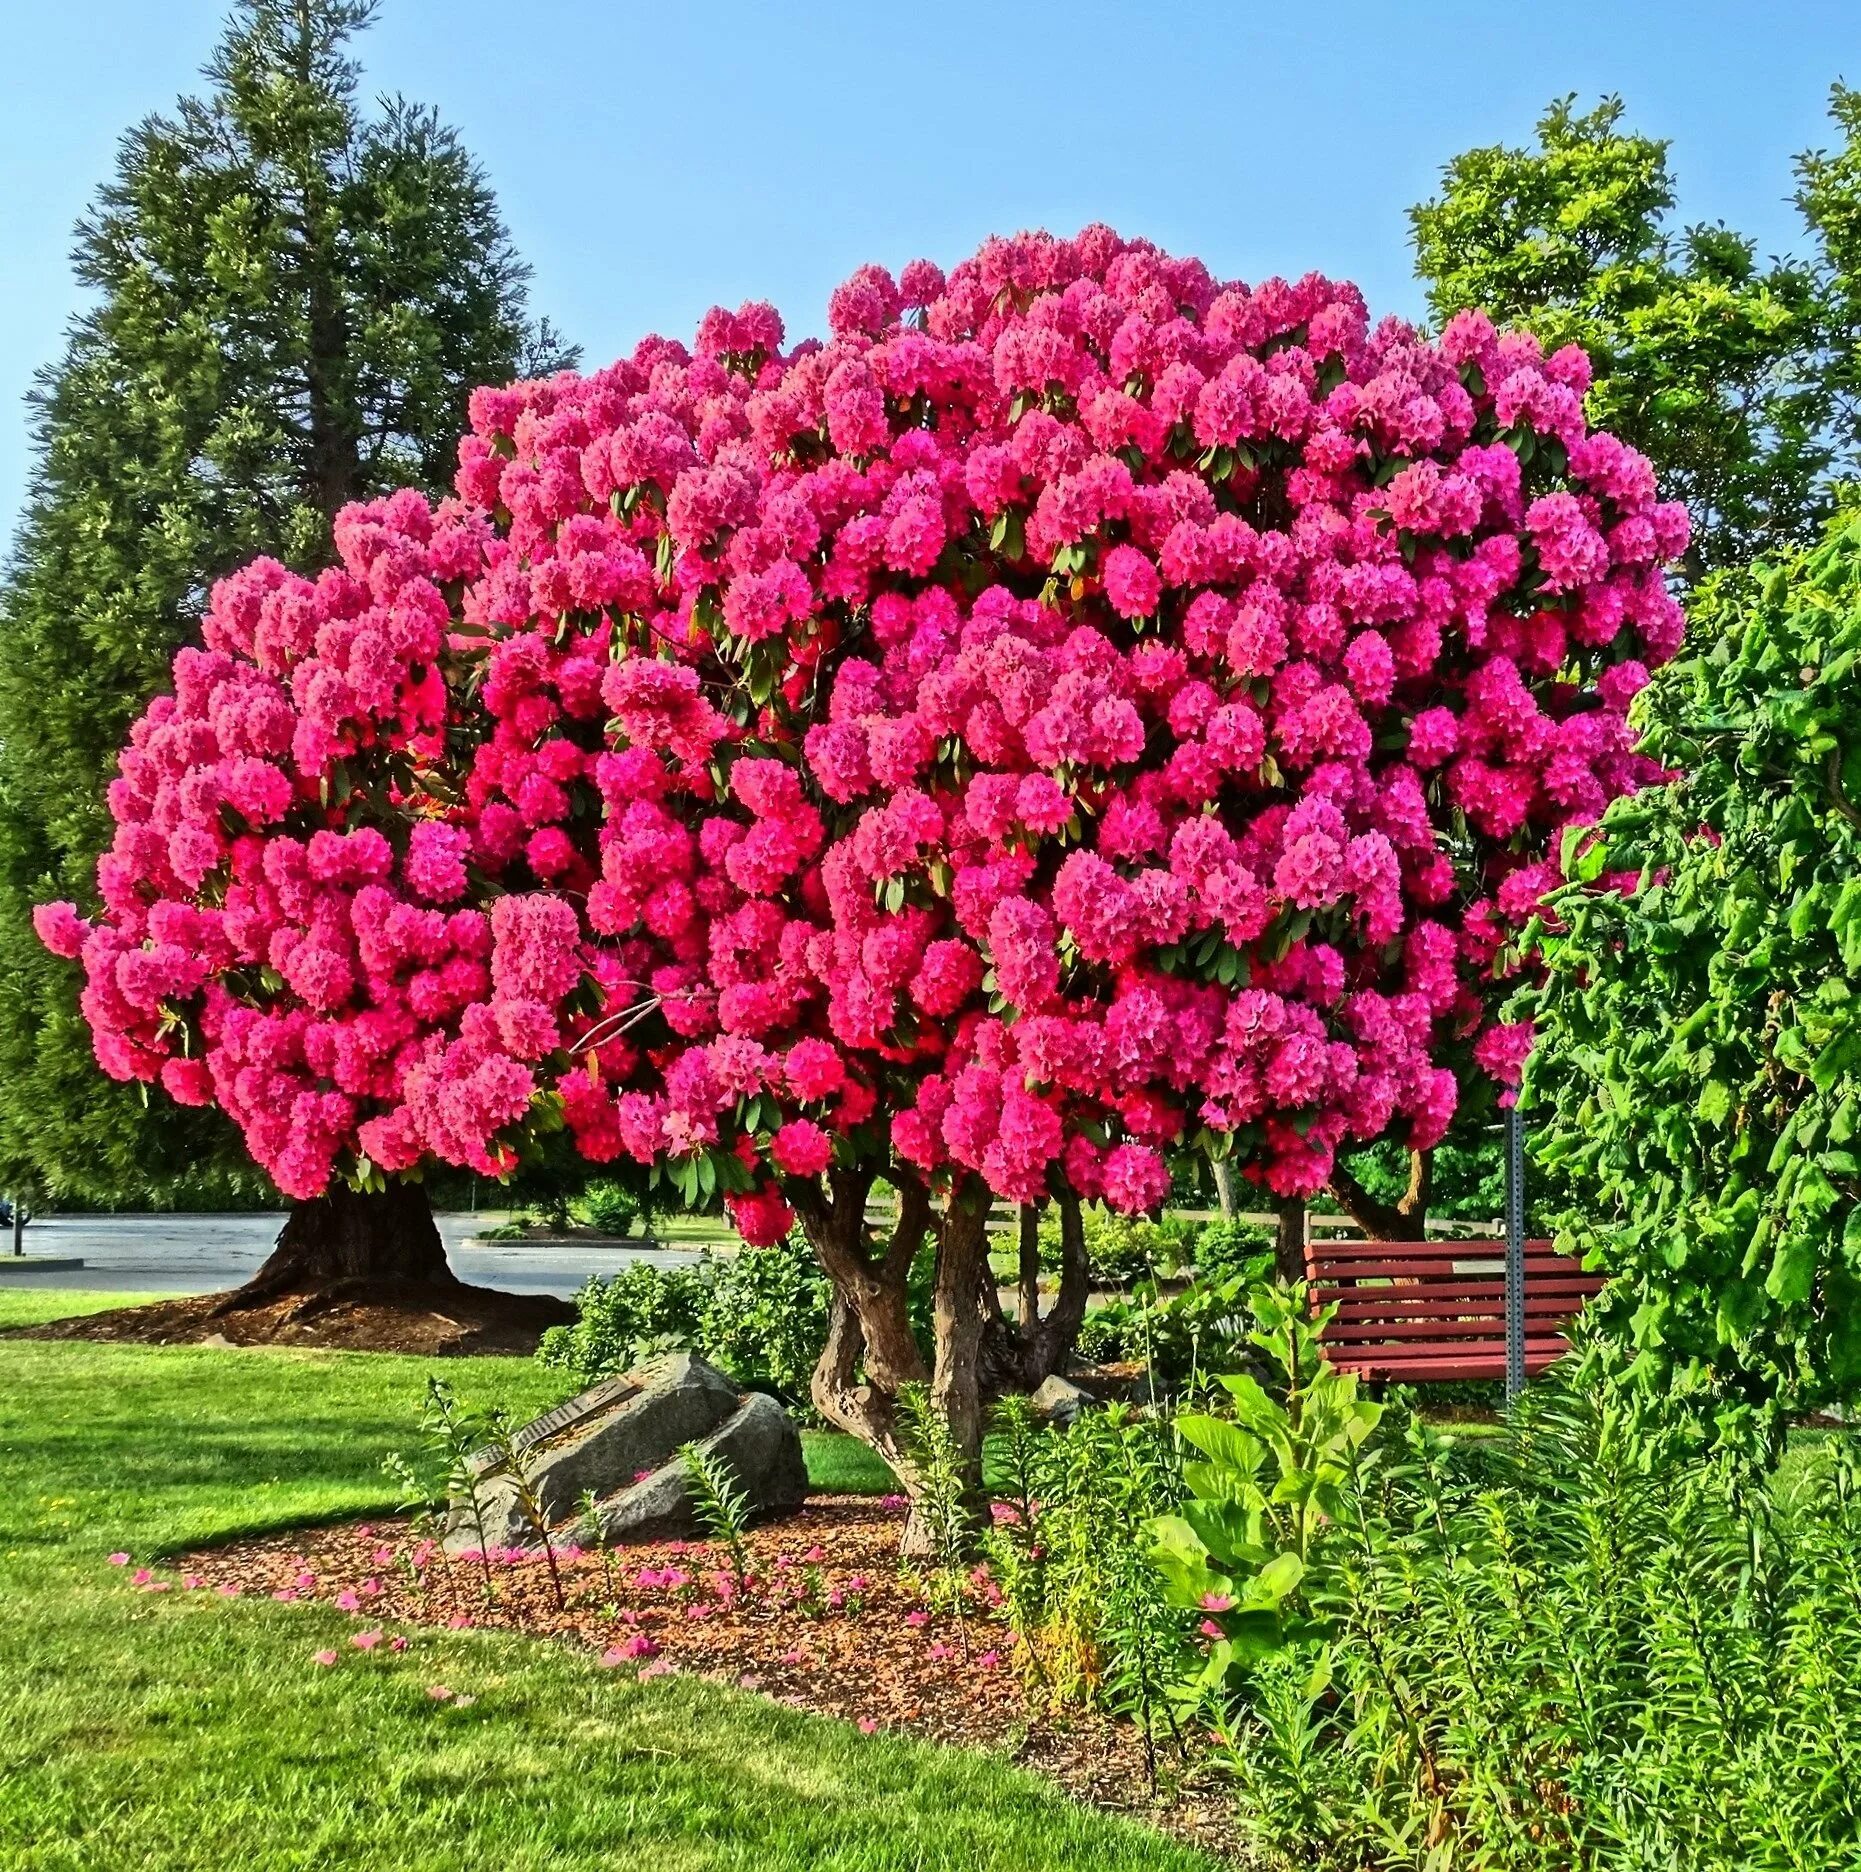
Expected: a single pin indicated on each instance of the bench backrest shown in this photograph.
(1446, 1293)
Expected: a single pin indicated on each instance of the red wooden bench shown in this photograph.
(1419, 1312)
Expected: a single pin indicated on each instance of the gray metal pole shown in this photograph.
(19, 1225)
(1515, 1254)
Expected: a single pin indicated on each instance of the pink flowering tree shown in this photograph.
(1080, 713)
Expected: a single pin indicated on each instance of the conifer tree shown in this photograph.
(290, 295)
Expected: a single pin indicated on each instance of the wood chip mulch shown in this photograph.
(440, 1319)
(829, 1623)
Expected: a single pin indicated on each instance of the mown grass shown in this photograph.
(167, 1732)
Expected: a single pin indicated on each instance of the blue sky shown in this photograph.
(654, 160)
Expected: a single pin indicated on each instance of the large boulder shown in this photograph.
(757, 1443)
(618, 1443)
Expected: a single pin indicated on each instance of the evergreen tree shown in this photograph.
(290, 298)
(1706, 360)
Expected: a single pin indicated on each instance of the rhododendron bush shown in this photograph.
(1079, 712)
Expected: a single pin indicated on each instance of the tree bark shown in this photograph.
(1017, 1355)
(345, 1236)
(1224, 1185)
(871, 1355)
(1289, 1242)
(1381, 1221)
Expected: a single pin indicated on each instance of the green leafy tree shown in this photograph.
(1829, 198)
(1706, 359)
(1698, 1072)
(290, 298)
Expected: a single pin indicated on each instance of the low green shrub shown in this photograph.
(759, 1314)
(1181, 1335)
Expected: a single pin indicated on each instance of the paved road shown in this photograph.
(204, 1253)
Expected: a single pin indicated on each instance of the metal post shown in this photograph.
(19, 1225)
(1515, 1254)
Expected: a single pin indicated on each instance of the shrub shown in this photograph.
(1547, 1656)
(610, 1207)
(1699, 1059)
(760, 1315)
(1552, 1647)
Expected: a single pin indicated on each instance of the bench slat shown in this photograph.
(1472, 1292)
(1437, 1310)
(1427, 1251)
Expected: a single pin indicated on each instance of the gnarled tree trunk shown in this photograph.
(872, 1356)
(1018, 1354)
(1403, 1220)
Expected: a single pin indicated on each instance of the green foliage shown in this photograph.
(1177, 1332)
(610, 1207)
(1708, 360)
(721, 1504)
(288, 300)
(1267, 1489)
(1088, 1610)
(1699, 1072)
(1829, 198)
(940, 1506)
(1545, 1655)
(759, 1314)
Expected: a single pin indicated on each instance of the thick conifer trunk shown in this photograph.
(344, 1236)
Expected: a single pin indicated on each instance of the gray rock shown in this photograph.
(1059, 1401)
(759, 1445)
(625, 1428)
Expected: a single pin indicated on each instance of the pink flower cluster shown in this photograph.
(1079, 704)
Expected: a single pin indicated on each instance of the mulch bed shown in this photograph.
(437, 1320)
(829, 1624)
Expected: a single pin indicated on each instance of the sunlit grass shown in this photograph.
(170, 1732)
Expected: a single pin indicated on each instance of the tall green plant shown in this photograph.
(1267, 1489)
(1551, 1653)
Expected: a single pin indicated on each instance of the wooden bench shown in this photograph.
(1423, 1312)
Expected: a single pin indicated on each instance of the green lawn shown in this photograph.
(165, 1733)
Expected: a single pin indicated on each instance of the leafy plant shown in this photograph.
(1554, 1652)
(1178, 1334)
(1698, 1072)
(1267, 1487)
(448, 1464)
(942, 1512)
(759, 1314)
(720, 1502)
(514, 1463)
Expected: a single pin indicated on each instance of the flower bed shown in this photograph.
(827, 1623)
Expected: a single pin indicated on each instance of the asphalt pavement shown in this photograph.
(205, 1253)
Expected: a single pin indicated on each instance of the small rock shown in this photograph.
(1059, 1401)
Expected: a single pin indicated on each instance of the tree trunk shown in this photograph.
(1017, 1355)
(1402, 1220)
(962, 1299)
(1224, 1185)
(346, 1236)
(1289, 1242)
(871, 1355)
